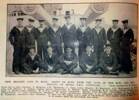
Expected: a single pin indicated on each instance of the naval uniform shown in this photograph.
(69, 35)
(30, 63)
(54, 35)
(32, 35)
(108, 63)
(17, 39)
(42, 41)
(99, 40)
(84, 36)
(88, 62)
(114, 36)
(127, 40)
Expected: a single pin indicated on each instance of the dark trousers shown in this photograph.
(126, 62)
(105, 70)
(84, 69)
(68, 68)
(28, 68)
(41, 50)
(18, 55)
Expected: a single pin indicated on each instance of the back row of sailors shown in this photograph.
(62, 40)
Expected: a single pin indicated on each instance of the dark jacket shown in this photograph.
(54, 37)
(52, 61)
(30, 64)
(17, 37)
(84, 38)
(69, 35)
(89, 60)
(108, 60)
(115, 37)
(99, 40)
(127, 38)
(42, 37)
(31, 36)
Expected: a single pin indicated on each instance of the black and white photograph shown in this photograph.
(81, 40)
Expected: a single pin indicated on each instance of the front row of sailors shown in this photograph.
(69, 63)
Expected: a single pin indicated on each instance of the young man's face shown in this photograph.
(83, 22)
(32, 50)
(55, 22)
(108, 50)
(115, 24)
(30, 23)
(20, 22)
(125, 25)
(88, 49)
(41, 24)
(50, 50)
(68, 20)
(69, 50)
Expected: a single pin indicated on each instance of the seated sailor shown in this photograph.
(68, 61)
(88, 60)
(31, 62)
(50, 61)
(108, 61)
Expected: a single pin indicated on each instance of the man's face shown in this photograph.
(68, 20)
(108, 50)
(125, 25)
(115, 24)
(98, 23)
(32, 50)
(88, 49)
(55, 22)
(41, 24)
(30, 23)
(83, 22)
(69, 50)
(50, 50)
(20, 22)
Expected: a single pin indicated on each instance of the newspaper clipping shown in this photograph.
(69, 50)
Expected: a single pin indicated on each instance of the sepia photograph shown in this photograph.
(97, 40)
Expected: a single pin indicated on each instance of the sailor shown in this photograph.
(32, 34)
(17, 40)
(69, 32)
(42, 38)
(68, 61)
(114, 36)
(50, 61)
(84, 35)
(108, 61)
(32, 61)
(54, 36)
(99, 35)
(127, 40)
(88, 60)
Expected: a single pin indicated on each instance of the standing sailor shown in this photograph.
(17, 39)
(31, 35)
(99, 35)
(127, 40)
(114, 35)
(42, 38)
(68, 32)
(83, 35)
(54, 36)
